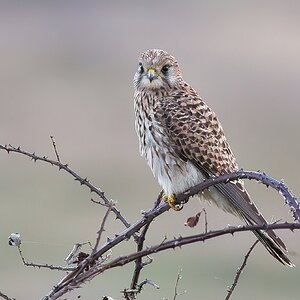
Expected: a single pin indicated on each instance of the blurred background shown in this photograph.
(66, 70)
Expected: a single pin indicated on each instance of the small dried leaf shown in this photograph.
(193, 221)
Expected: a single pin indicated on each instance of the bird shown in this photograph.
(184, 143)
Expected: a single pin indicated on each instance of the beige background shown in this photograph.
(66, 70)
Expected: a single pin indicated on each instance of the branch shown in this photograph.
(54, 147)
(239, 271)
(82, 277)
(140, 244)
(5, 297)
(65, 167)
(289, 198)
(101, 230)
(182, 241)
(90, 267)
(78, 275)
(47, 266)
(176, 293)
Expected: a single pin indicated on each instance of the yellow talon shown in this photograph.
(171, 199)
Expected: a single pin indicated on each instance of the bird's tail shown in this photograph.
(274, 245)
(240, 204)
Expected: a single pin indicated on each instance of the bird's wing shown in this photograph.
(196, 132)
(198, 137)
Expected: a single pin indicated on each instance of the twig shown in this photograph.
(101, 230)
(239, 271)
(131, 294)
(74, 255)
(140, 244)
(205, 220)
(147, 281)
(289, 198)
(54, 147)
(6, 297)
(182, 241)
(81, 277)
(47, 266)
(149, 216)
(65, 167)
(77, 275)
(176, 285)
(75, 278)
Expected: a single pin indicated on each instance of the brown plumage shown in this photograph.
(183, 142)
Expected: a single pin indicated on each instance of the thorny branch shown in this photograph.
(176, 293)
(47, 266)
(239, 271)
(64, 287)
(65, 167)
(140, 245)
(5, 297)
(54, 147)
(101, 230)
(289, 198)
(95, 264)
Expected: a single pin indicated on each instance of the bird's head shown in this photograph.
(157, 69)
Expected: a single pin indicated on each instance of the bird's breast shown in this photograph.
(173, 174)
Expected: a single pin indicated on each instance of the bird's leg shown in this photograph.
(171, 199)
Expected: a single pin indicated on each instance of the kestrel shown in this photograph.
(183, 142)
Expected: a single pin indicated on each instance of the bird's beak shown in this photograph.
(151, 74)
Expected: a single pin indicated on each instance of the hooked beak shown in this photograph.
(151, 74)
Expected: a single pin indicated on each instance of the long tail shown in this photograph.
(274, 248)
(241, 204)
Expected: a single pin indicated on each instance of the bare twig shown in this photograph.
(73, 256)
(65, 167)
(66, 285)
(182, 241)
(147, 281)
(101, 229)
(131, 294)
(89, 268)
(205, 220)
(179, 277)
(239, 271)
(289, 198)
(78, 276)
(54, 147)
(6, 297)
(163, 207)
(140, 244)
(47, 266)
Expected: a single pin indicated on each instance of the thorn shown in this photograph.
(118, 212)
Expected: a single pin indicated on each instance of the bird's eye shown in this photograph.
(165, 69)
(141, 68)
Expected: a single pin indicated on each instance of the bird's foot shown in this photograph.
(171, 199)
